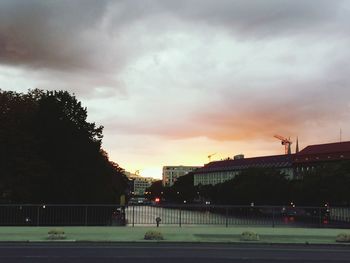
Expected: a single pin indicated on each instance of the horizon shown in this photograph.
(174, 82)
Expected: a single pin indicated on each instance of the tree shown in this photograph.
(327, 183)
(156, 189)
(258, 185)
(184, 186)
(51, 153)
(261, 186)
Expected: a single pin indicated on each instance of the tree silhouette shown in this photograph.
(51, 153)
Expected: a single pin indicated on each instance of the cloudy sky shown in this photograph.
(175, 81)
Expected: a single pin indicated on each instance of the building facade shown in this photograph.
(294, 166)
(172, 173)
(313, 156)
(221, 171)
(139, 184)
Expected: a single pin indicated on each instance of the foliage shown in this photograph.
(249, 236)
(258, 185)
(182, 190)
(56, 231)
(324, 184)
(153, 235)
(155, 189)
(56, 234)
(184, 185)
(327, 183)
(51, 153)
(343, 237)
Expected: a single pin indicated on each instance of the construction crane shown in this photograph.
(286, 142)
(210, 155)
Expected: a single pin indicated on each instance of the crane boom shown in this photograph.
(210, 155)
(286, 142)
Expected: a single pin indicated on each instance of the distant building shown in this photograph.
(139, 184)
(172, 173)
(293, 165)
(319, 154)
(221, 171)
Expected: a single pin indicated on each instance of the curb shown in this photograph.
(159, 242)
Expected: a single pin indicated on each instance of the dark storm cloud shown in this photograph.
(259, 18)
(49, 33)
(253, 19)
(90, 41)
(61, 34)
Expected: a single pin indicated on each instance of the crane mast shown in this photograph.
(286, 142)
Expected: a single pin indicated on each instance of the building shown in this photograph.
(221, 171)
(293, 165)
(316, 155)
(171, 173)
(139, 184)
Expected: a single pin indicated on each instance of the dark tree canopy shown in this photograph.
(50, 152)
(255, 185)
(327, 183)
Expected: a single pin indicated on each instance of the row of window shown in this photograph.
(213, 178)
(263, 165)
(220, 177)
(317, 157)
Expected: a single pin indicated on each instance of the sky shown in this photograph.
(175, 81)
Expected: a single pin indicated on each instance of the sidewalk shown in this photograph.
(174, 234)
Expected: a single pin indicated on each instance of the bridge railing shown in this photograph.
(61, 215)
(134, 215)
(234, 215)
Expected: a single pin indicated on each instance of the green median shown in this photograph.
(173, 234)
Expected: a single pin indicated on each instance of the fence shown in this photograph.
(111, 215)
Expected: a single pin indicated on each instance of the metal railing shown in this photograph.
(133, 215)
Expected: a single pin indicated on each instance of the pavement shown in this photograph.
(192, 234)
(169, 252)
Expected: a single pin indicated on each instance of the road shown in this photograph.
(167, 252)
(146, 215)
(143, 215)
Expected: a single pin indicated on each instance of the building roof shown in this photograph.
(281, 161)
(238, 164)
(183, 167)
(337, 147)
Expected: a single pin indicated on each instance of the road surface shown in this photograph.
(146, 215)
(169, 252)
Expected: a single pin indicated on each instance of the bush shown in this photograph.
(153, 235)
(343, 237)
(56, 234)
(249, 236)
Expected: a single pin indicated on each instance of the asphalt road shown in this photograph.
(166, 252)
(146, 215)
(143, 215)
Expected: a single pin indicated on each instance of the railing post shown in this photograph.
(273, 217)
(133, 215)
(86, 215)
(37, 215)
(226, 216)
(180, 217)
